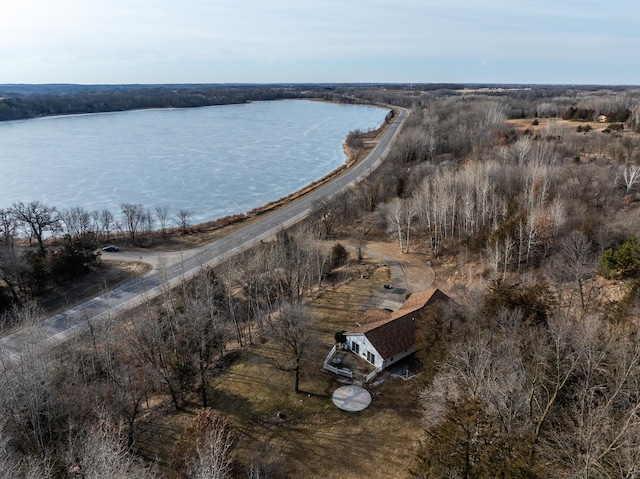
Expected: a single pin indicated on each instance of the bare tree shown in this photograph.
(162, 214)
(289, 328)
(410, 212)
(128, 384)
(494, 114)
(576, 264)
(133, 216)
(362, 228)
(8, 228)
(153, 341)
(38, 219)
(293, 264)
(148, 225)
(475, 410)
(228, 277)
(9, 460)
(215, 457)
(324, 216)
(183, 218)
(521, 149)
(100, 452)
(95, 223)
(537, 185)
(499, 254)
(76, 220)
(202, 330)
(600, 438)
(27, 382)
(107, 222)
(394, 212)
(493, 255)
(630, 175)
(369, 191)
(11, 263)
(205, 448)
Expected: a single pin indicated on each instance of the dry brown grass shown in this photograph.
(313, 438)
(546, 124)
(316, 439)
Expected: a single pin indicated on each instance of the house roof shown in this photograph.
(397, 333)
(420, 300)
(373, 316)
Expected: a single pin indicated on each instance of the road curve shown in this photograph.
(132, 293)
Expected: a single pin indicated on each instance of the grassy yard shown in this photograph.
(313, 438)
(304, 434)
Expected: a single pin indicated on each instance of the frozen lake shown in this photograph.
(214, 161)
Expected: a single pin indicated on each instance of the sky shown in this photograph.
(320, 41)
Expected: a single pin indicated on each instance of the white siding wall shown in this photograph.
(398, 357)
(364, 346)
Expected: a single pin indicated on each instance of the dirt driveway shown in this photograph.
(419, 276)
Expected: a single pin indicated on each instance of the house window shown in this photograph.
(371, 357)
(355, 347)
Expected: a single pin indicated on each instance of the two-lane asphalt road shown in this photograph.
(62, 325)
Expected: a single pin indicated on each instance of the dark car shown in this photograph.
(111, 248)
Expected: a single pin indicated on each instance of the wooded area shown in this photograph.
(533, 373)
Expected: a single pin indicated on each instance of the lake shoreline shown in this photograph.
(219, 226)
(214, 162)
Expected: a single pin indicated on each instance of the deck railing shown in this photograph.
(340, 371)
(372, 375)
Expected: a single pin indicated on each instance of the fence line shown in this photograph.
(341, 372)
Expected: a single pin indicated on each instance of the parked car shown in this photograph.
(111, 248)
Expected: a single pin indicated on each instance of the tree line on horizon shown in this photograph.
(19, 102)
(18, 106)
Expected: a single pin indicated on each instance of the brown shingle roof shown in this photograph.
(373, 316)
(397, 334)
(394, 336)
(420, 300)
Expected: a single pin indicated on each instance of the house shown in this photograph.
(386, 338)
(602, 118)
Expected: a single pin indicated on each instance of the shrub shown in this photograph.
(619, 116)
(339, 255)
(624, 261)
(532, 301)
(579, 114)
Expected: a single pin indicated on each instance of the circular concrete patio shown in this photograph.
(351, 398)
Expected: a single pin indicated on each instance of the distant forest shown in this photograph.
(22, 101)
(19, 102)
(31, 101)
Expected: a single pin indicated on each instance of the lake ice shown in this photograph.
(214, 161)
